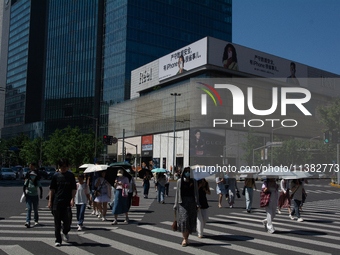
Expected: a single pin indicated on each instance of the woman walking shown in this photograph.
(220, 189)
(249, 184)
(270, 186)
(284, 200)
(80, 200)
(186, 202)
(31, 193)
(146, 184)
(202, 214)
(232, 186)
(297, 193)
(161, 181)
(104, 197)
(121, 204)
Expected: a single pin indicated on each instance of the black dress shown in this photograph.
(187, 210)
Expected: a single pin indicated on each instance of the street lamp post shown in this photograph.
(271, 148)
(174, 147)
(95, 142)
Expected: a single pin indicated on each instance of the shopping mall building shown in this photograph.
(225, 90)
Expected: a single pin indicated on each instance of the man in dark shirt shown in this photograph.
(62, 191)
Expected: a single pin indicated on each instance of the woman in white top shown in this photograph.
(105, 195)
(80, 200)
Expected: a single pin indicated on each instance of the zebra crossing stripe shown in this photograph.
(257, 241)
(14, 250)
(171, 245)
(259, 225)
(65, 247)
(117, 245)
(286, 221)
(237, 248)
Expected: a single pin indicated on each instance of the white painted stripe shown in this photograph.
(160, 242)
(279, 237)
(237, 248)
(292, 225)
(65, 247)
(14, 250)
(263, 242)
(99, 222)
(117, 245)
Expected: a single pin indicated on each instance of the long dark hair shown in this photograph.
(225, 54)
(182, 176)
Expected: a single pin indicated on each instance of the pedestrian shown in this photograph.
(232, 186)
(31, 194)
(62, 192)
(146, 184)
(103, 195)
(270, 186)
(284, 200)
(121, 203)
(132, 188)
(304, 194)
(186, 202)
(202, 214)
(297, 189)
(167, 184)
(155, 180)
(220, 188)
(80, 200)
(249, 184)
(161, 181)
(91, 183)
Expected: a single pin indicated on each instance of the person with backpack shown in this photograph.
(31, 194)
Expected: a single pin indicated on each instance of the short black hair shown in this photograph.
(33, 164)
(63, 161)
(81, 175)
(197, 130)
(293, 64)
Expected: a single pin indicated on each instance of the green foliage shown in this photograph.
(69, 143)
(330, 115)
(253, 142)
(292, 152)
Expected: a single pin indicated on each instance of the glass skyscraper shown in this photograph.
(25, 63)
(89, 49)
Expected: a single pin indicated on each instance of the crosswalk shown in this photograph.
(236, 233)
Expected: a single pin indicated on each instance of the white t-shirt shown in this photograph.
(80, 197)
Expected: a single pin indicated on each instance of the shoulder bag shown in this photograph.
(265, 197)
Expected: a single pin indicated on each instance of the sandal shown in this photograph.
(219, 206)
(184, 243)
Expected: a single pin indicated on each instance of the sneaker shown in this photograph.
(57, 244)
(299, 219)
(36, 223)
(126, 220)
(264, 222)
(103, 218)
(80, 228)
(291, 217)
(99, 215)
(248, 211)
(93, 212)
(66, 237)
(27, 225)
(114, 222)
(279, 211)
(231, 206)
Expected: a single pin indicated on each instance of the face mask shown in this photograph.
(187, 174)
(230, 54)
(32, 177)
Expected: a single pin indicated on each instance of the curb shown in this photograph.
(335, 185)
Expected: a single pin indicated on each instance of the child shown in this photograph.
(80, 200)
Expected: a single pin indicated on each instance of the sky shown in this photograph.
(304, 31)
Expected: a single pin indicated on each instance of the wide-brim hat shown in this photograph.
(33, 173)
(120, 172)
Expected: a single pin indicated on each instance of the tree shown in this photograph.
(253, 142)
(330, 115)
(293, 152)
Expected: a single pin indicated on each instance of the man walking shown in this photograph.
(62, 192)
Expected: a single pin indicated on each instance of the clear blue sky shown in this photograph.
(305, 31)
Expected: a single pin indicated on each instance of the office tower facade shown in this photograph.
(24, 66)
(91, 47)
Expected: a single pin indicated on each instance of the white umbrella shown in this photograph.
(86, 165)
(276, 172)
(298, 175)
(95, 168)
(199, 172)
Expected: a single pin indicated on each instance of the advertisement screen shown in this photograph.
(147, 145)
(183, 60)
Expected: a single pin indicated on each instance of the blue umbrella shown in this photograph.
(159, 170)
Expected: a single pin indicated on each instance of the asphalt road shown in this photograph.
(231, 231)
